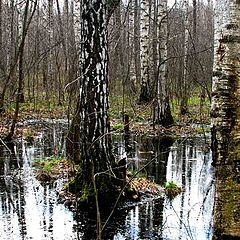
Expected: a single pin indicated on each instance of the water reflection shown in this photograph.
(190, 214)
(188, 163)
(29, 210)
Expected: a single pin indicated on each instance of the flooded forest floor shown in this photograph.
(185, 161)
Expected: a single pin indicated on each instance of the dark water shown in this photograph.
(29, 210)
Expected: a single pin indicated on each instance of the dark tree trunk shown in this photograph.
(90, 130)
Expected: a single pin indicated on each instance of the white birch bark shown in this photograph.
(164, 116)
(226, 119)
(184, 98)
(144, 49)
(93, 138)
(50, 39)
(77, 23)
(137, 60)
(132, 77)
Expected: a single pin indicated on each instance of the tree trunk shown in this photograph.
(144, 47)
(137, 59)
(20, 56)
(226, 120)
(184, 87)
(164, 116)
(77, 24)
(90, 130)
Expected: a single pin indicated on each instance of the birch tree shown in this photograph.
(184, 88)
(164, 116)
(226, 120)
(136, 34)
(145, 54)
(89, 136)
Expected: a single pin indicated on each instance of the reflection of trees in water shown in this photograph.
(16, 192)
(50, 141)
(86, 223)
(190, 167)
(12, 187)
(186, 164)
(152, 152)
(151, 219)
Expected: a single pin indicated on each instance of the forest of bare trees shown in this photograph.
(148, 41)
(82, 55)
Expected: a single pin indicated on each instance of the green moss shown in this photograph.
(230, 209)
(172, 190)
(86, 193)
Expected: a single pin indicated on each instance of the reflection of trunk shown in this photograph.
(226, 120)
(162, 149)
(183, 156)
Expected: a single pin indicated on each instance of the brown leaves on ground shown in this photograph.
(142, 186)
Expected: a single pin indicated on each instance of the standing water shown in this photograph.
(30, 210)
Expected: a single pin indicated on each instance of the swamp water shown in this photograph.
(29, 210)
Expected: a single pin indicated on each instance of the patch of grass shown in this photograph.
(116, 106)
(117, 126)
(172, 190)
(47, 165)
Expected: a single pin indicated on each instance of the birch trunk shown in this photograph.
(90, 127)
(184, 87)
(77, 24)
(137, 59)
(164, 116)
(226, 120)
(50, 42)
(144, 48)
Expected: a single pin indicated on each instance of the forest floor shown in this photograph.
(197, 120)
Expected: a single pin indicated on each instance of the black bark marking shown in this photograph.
(232, 26)
(214, 145)
(230, 39)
